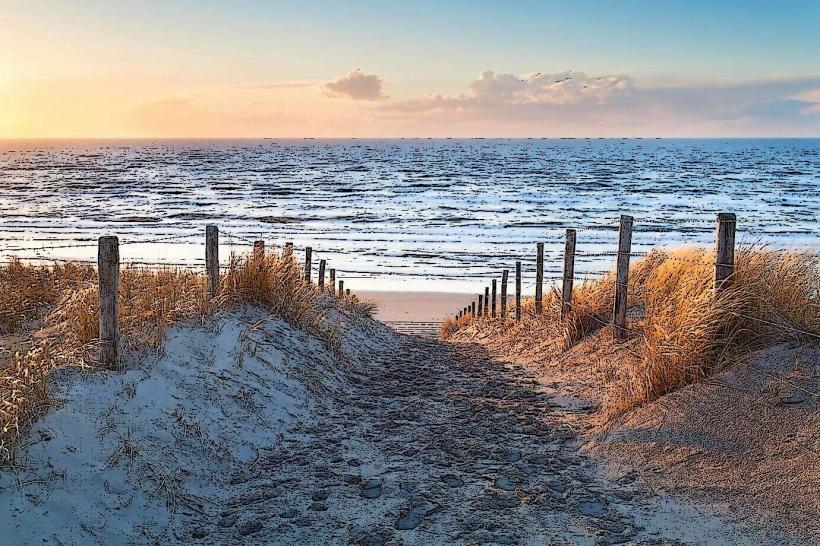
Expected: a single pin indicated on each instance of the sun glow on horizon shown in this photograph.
(92, 69)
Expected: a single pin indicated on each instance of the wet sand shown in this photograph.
(415, 306)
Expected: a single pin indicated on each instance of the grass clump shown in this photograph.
(679, 331)
(49, 316)
(451, 325)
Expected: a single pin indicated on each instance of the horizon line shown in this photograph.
(3, 138)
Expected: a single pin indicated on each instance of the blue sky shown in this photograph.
(187, 50)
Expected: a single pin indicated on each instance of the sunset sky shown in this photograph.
(414, 68)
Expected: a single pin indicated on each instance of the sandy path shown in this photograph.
(435, 443)
(247, 431)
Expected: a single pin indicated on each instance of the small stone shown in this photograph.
(413, 517)
(289, 513)
(452, 480)
(351, 478)
(371, 489)
(320, 495)
(250, 527)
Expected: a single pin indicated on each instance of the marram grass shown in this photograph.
(680, 333)
(49, 318)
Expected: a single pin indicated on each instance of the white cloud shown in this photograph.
(573, 102)
(356, 85)
(494, 91)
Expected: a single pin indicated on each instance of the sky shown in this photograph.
(255, 68)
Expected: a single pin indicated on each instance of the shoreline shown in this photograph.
(396, 305)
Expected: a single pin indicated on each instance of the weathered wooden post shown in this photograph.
(308, 263)
(332, 281)
(539, 277)
(322, 273)
(472, 311)
(517, 290)
(724, 251)
(494, 298)
(486, 301)
(622, 275)
(341, 288)
(480, 305)
(347, 291)
(108, 269)
(569, 273)
(212, 259)
(287, 252)
(258, 250)
(504, 275)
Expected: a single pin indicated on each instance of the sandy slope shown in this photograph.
(248, 431)
(742, 446)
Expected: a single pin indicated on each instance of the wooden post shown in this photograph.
(569, 273)
(308, 263)
(258, 250)
(287, 252)
(539, 277)
(108, 268)
(341, 288)
(212, 259)
(480, 305)
(472, 312)
(322, 273)
(622, 276)
(332, 281)
(504, 275)
(486, 301)
(724, 251)
(347, 291)
(494, 293)
(517, 290)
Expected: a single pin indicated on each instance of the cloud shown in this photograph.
(356, 85)
(811, 101)
(572, 103)
(493, 91)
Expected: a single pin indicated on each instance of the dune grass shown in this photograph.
(679, 332)
(49, 317)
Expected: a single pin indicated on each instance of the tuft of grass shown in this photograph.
(451, 325)
(688, 333)
(51, 313)
(680, 332)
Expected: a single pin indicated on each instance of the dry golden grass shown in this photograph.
(680, 332)
(51, 314)
(451, 325)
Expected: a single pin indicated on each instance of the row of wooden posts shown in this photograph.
(485, 304)
(108, 266)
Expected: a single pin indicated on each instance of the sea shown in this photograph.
(442, 215)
